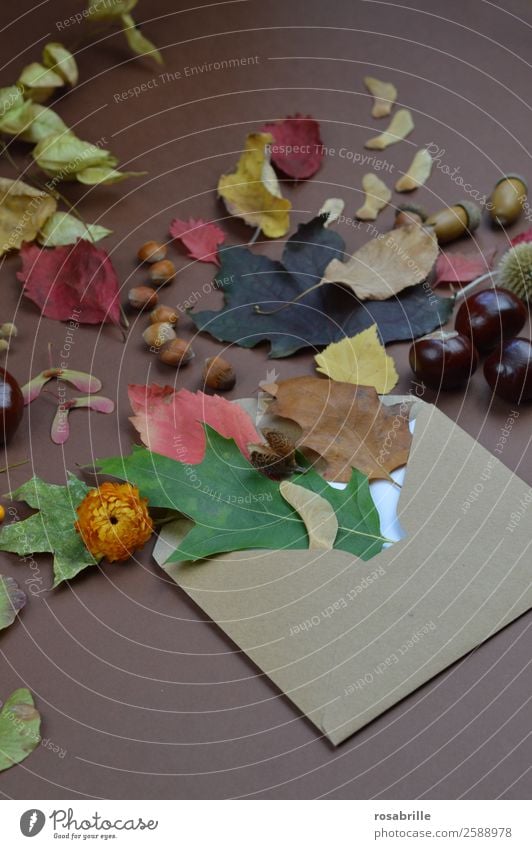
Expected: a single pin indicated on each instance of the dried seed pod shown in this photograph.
(140, 297)
(385, 95)
(451, 222)
(218, 374)
(162, 272)
(417, 174)
(8, 330)
(399, 128)
(152, 252)
(378, 195)
(409, 213)
(164, 313)
(4, 345)
(156, 335)
(177, 352)
(508, 199)
(267, 461)
(515, 270)
(279, 443)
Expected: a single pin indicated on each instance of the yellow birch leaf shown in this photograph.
(361, 360)
(252, 191)
(23, 211)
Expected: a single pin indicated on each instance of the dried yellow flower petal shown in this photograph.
(399, 128)
(417, 174)
(385, 95)
(378, 195)
(317, 514)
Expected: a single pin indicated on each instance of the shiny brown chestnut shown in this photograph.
(489, 316)
(443, 360)
(509, 370)
(11, 406)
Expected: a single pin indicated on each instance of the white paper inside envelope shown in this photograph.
(346, 639)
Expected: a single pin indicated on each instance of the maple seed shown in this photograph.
(164, 313)
(218, 374)
(152, 252)
(162, 272)
(177, 352)
(157, 334)
(140, 297)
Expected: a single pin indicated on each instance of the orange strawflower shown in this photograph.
(113, 521)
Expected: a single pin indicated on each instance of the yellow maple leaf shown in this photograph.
(361, 359)
(252, 191)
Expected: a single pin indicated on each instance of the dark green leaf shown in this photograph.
(19, 728)
(325, 315)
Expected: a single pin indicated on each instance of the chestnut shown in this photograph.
(11, 405)
(509, 370)
(489, 316)
(443, 360)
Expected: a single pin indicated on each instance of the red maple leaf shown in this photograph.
(459, 268)
(199, 237)
(526, 236)
(65, 281)
(170, 422)
(297, 148)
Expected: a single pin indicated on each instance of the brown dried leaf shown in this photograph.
(417, 174)
(399, 128)
(385, 95)
(378, 195)
(317, 514)
(346, 425)
(386, 265)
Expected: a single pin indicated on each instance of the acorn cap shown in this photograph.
(513, 177)
(412, 207)
(473, 213)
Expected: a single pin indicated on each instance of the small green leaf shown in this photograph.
(65, 229)
(38, 82)
(52, 528)
(105, 176)
(12, 599)
(10, 98)
(66, 155)
(138, 43)
(20, 724)
(60, 60)
(103, 10)
(236, 508)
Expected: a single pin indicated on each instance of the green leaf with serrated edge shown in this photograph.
(328, 314)
(20, 724)
(52, 528)
(12, 599)
(65, 229)
(235, 507)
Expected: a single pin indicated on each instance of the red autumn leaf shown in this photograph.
(199, 237)
(526, 236)
(65, 280)
(459, 268)
(297, 148)
(170, 422)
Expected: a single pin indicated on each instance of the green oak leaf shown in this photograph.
(20, 724)
(235, 507)
(52, 528)
(12, 599)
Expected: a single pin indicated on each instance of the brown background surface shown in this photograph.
(147, 698)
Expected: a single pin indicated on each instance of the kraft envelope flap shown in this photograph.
(346, 639)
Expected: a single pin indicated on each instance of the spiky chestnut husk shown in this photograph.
(515, 270)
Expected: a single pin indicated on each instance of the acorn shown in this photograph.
(162, 272)
(218, 374)
(508, 199)
(409, 213)
(452, 222)
(152, 252)
(140, 297)
(164, 313)
(156, 335)
(177, 352)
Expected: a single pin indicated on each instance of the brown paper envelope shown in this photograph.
(346, 639)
